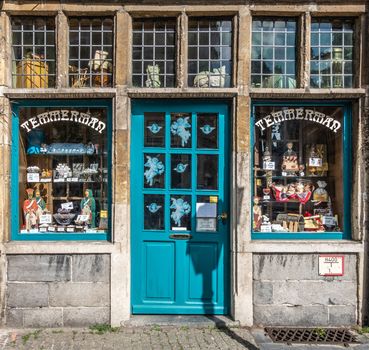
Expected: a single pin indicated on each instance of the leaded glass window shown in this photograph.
(33, 52)
(90, 52)
(209, 52)
(273, 55)
(331, 53)
(153, 56)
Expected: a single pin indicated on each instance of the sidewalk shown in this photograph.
(149, 337)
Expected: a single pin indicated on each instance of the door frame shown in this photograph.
(180, 105)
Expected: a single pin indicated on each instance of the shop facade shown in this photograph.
(183, 159)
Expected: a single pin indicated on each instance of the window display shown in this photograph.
(298, 169)
(63, 171)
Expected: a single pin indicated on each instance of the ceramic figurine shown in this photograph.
(289, 163)
(30, 208)
(41, 205)
(88, 207)
(257, 214)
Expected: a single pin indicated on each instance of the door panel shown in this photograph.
(202, 275)
(159, 273)
(179, 187)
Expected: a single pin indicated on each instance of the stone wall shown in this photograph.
(57, 290)
(289, 292)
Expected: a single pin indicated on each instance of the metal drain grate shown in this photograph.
(311, 335)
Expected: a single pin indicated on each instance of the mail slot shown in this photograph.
(180, 236)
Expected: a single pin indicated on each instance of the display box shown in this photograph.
(32, 73)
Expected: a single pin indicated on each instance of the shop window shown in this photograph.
(273, 53)
(331, 53)
(60, 179)
(33, 52)
(210, 52)
(90, 52)
(301, 171)
(153, 56)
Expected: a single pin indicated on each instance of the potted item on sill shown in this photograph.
(216, 78)
(153, 77)
(101, 68)
(32, 72)
(79, 77)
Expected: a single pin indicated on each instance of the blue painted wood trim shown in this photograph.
(14, 189)
(347, 166)
(185, 106)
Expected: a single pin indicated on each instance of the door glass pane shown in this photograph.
(180, 130)
(154, 130)
(154, 209)
(180, 213)
(207, 130)
(154, 170)
(180, 171)
(207, 171)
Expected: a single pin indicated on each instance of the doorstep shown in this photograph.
(182, 321)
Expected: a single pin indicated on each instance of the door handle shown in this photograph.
(181, 236)
(223, 216)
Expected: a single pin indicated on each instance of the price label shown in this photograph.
(266, 228)
(67, 206)
(329, 220)
(269, 165)
(45, 219)
(33, 177)
(82, 218)
(317, 162)
(103, 214)
(266, 197)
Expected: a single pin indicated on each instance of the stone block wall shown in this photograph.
(57, 290)
(288, 291)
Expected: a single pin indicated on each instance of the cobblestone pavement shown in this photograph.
(153, 337)
(149, 337)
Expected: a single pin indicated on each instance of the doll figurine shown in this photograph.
(289, 162)
(30, 210)
(257, 214)
(41, 205)
(88, 207)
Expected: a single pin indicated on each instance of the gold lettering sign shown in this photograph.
(298, 114)
(64, 115)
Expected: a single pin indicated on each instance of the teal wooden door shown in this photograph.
(179, 207)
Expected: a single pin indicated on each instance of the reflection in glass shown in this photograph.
(332, 46)
(207, 171)
(154, 209)
(180, 171)
(154, 130)
(207, 130)
(180, 212)
(301, 190)
(180, 130)
(209, 53)
(154, 170)
(63, 166)
(273, 53)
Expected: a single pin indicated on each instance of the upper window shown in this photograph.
(301, 171)
(273, 56)
(33, 52)
(90, 52)
(331, 53)
(153, 53)
(61, 171)
(209, 52)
